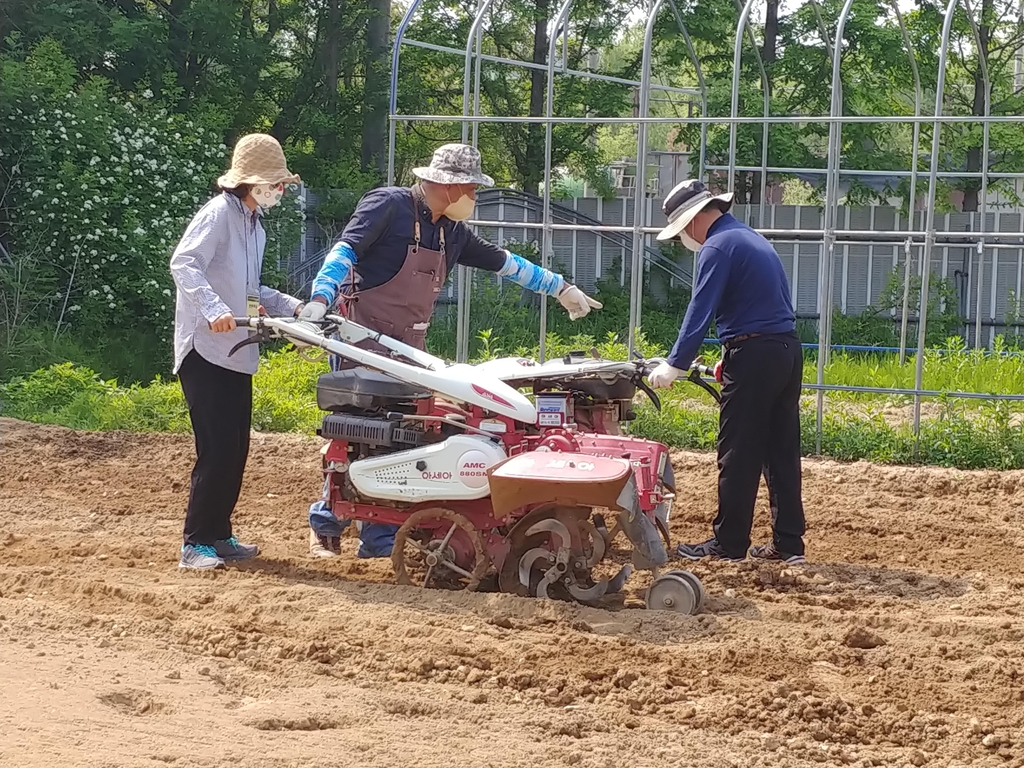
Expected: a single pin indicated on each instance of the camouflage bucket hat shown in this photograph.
(455, 164)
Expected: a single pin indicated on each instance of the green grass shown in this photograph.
(953, 369)
(963, 434)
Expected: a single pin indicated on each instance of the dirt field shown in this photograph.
(899, 645)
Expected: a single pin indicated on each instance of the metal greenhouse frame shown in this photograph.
(922, 240)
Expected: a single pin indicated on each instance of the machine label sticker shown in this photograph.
(473, 469)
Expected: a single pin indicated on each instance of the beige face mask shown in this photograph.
(461, 209)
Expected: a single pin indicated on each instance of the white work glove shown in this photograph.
(663, 376)
(576, 302)
(314, 311)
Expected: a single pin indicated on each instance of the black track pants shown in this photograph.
(220, 406)
(759, 432)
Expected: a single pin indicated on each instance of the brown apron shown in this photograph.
(402, 307)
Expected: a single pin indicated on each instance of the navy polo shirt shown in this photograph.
(741, 282)
(381, 231)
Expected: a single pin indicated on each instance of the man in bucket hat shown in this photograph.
(394, 256)
(742, 284)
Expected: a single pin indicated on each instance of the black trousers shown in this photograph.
(759, 433)
(220, 407)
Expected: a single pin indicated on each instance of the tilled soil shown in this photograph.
(900, 644)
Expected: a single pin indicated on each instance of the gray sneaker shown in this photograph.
(200, 557)
(231, 549)
(769, 552)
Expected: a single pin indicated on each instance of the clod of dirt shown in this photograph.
(771, 742)
(173, 675)
(501, 621)
(625, 679)
(296, 724)
(979, 727)
(477, 697)
(863, 638)
(131, 702)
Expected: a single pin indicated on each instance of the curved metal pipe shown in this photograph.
(987, 83)
(471, 38)
(549, 110)
(701, 84)
(640, 189)
(393, 100)
(826, 273)
(737, 59)
(741, 27)
(822, 29)
(929, 211)
(476, 85)
(918, 97)
(464, 295)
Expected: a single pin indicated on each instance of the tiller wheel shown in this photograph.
(678, 591)
(439, 548)
(552, 552)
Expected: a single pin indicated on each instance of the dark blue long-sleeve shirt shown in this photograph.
(740, 281)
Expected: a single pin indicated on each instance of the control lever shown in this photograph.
(644, 387)
(262, 333)
(695, 377)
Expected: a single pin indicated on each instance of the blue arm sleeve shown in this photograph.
(712, 275)
(334, 272)
(531, 276)
(367, 224)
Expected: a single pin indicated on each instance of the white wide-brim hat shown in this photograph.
(684, 202)
(455, 164)
(257, 159)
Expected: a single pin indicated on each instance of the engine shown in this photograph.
(599, 400)
(366, 409)
(391, 453)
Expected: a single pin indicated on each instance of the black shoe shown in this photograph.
(710, 548)
(769, 552)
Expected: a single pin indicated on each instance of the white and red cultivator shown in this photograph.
(486, 483)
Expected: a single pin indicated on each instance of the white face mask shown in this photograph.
(267, 195)
(689, 242)
(461, 209)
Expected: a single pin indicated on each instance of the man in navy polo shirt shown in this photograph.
(741, 283)
(388, 270)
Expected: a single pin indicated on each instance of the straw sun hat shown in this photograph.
(257, 159)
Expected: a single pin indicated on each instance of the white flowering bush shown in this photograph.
(102, 186)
